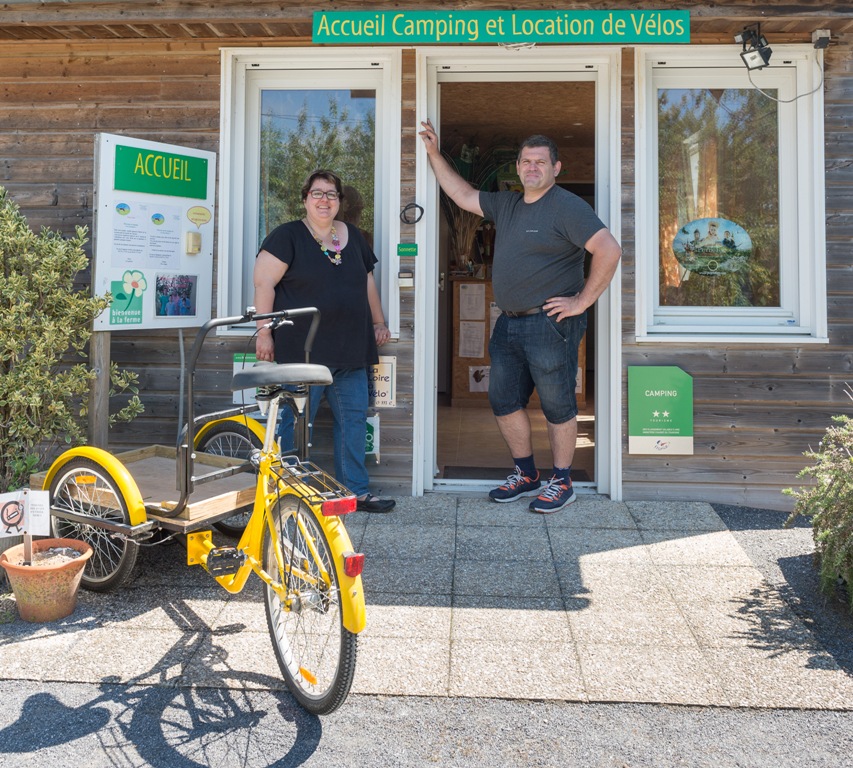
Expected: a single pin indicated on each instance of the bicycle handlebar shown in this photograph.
(279, 318)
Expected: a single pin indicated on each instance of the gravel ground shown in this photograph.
(785, 557)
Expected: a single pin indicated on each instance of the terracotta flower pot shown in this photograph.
(48, 591)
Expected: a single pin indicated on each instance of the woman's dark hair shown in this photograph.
(538, 140)
(332, 178)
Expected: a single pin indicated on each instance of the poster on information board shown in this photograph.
(153, 234)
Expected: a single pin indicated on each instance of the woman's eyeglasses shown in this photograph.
(319, 194)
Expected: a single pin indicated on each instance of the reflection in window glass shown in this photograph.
(718, 175)
(304, 130)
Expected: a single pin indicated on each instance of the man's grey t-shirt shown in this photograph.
(539, 247)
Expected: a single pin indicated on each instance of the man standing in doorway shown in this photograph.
(538, 280)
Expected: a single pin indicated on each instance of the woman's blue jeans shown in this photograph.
(348, 399)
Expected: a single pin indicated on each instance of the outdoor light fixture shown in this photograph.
(756, 52)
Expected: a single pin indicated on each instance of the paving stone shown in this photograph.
(522, 669)
(625, 673)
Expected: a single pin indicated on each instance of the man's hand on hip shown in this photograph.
(561, 307)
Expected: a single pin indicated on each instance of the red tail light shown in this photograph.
(335, 507)
(353, 564)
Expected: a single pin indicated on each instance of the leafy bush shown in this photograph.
(44, 326)
(828, 504)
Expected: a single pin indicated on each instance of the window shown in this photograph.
(287, 113)
(730, 222)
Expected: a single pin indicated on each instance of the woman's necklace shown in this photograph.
(336, 244)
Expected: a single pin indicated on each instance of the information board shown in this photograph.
(153, 237)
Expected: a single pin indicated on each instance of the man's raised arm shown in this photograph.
(456, 188)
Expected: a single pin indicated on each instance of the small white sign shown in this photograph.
(25, 512)
(38, 513)
(371, 446)
(244, 360)
(382, 383)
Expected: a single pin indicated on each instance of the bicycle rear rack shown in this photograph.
(308, 480)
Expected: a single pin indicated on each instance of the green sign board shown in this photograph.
(559, 27)
(407, 249)
(160, 173)
(660, 410)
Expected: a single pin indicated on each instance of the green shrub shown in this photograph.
(828, 504)
(44, 326)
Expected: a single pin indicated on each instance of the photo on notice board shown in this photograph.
(175, 295)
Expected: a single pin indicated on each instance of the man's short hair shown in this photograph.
(538, 140)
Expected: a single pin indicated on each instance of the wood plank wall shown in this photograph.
(756, 408)
(53, 98)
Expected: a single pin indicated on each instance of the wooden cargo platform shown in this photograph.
(154, 470)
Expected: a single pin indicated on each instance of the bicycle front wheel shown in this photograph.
(315, 651)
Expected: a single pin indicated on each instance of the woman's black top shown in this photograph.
(345, 337)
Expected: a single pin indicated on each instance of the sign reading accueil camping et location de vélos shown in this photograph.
(556, 27)
(660, 410)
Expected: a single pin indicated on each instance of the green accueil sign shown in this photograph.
(160, 173)
(559, 27)
(660, 410)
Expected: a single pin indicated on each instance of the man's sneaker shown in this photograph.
(516, 486)
(557, 494)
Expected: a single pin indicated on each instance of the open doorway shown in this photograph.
(482, 124)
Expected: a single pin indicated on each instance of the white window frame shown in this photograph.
(795, 70)
(308, 69)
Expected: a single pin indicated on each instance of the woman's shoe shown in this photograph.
(374, 504)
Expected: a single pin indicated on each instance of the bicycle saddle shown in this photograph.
(265, 374)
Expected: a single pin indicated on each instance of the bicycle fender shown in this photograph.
(127, 485)
(352, 591)
(247, 421)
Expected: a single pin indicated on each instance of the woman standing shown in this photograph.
(319, 261)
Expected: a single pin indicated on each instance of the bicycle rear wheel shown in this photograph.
(315, 651)
(230, 438)
(85, 487)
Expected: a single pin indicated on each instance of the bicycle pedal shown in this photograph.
(225, 561)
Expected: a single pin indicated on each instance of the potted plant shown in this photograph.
(828, 504)
(45, 576)
(479, 170)
(46, 318)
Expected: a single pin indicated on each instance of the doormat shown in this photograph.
(498, 473)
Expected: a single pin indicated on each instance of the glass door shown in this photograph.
(287, 113)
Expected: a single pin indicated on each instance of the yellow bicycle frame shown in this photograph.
(268, 491)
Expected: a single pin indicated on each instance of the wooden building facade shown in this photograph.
(764, 388)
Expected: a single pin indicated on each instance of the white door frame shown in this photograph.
(604, 63)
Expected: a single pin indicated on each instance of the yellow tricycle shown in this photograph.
(288, 516)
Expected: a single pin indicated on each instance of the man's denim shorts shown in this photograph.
(535, 351)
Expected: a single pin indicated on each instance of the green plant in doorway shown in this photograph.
(45, 323)
(828, 504)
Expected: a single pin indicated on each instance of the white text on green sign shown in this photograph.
(484, 27)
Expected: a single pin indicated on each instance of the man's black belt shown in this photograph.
(525, 313)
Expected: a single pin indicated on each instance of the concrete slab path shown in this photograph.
(647, 602)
